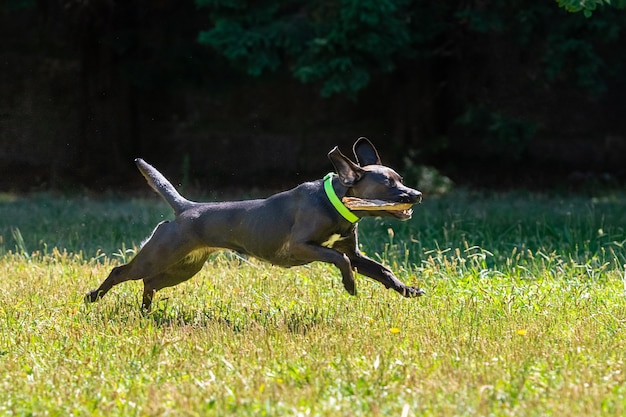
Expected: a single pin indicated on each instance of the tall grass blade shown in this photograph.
(20, 245)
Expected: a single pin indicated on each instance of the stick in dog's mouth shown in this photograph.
(402, 211)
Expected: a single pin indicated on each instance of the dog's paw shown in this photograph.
(411, 292)
(92, 296)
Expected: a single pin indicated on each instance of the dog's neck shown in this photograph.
(336, 202)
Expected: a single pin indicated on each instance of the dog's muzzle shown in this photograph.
(413, 197)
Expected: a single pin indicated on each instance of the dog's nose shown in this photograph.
(416, 196)
(412, 196)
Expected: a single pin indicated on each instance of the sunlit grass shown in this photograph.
(525, 314)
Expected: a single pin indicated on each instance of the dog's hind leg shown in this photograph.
(165, 247)
(175, 274)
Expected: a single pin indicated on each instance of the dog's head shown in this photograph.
(369, 179)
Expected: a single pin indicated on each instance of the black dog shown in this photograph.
(308, 223)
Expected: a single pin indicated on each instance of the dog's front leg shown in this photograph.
(310, 253)
(382, 274)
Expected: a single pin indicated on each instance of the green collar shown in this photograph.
(336, 202)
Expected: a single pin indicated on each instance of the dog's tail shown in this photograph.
(163, 187)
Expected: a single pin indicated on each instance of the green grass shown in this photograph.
(525, 315)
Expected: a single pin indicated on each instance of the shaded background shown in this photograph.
(235, 93)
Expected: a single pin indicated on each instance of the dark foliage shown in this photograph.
(236, 89)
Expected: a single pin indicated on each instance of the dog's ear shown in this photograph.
(348, 171)
(365, 152)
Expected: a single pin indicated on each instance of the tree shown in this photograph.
(338, 44)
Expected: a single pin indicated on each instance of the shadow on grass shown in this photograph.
(297, 321)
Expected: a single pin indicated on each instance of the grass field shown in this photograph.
(525, 315)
